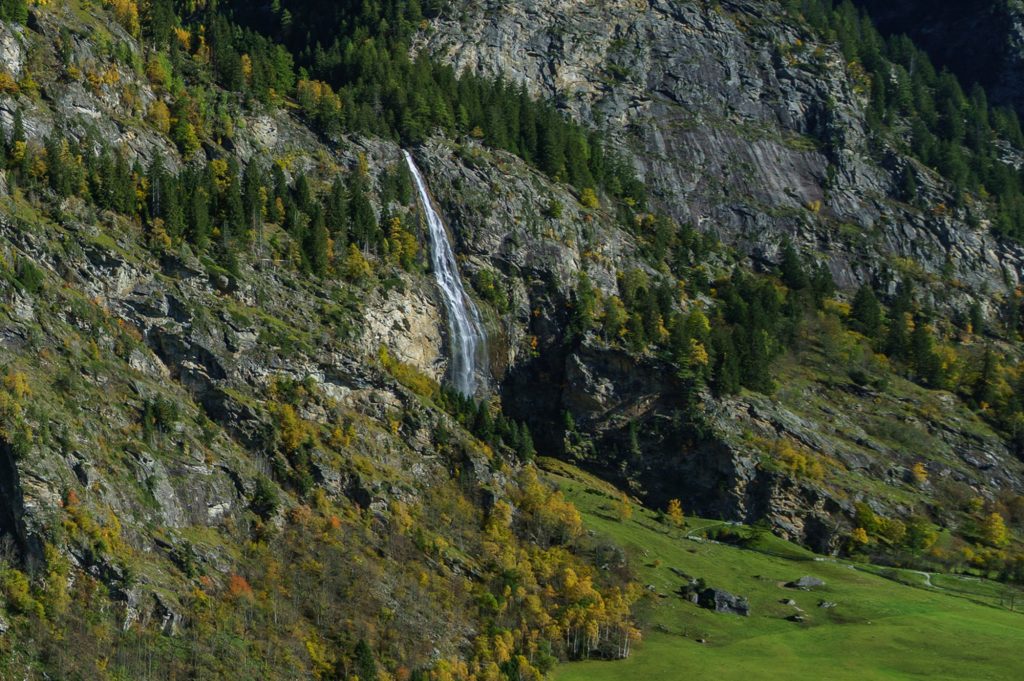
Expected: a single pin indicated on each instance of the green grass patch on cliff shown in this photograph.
(886, 624)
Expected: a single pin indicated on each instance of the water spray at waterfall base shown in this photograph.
(466, 335)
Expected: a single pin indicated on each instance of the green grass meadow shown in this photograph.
(887, 624)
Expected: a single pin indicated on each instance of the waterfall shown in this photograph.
(465, 329)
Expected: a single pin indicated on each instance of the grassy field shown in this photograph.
(887, 624)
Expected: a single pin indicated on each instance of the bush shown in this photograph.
(18, 593)
(588, 199)
(29, 277)
(265, 500)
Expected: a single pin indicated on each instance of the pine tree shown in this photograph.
(483, 423)
(527, 451)
(897, 342)
(922, 353)
(318, 245)
(233, 210)
(198, 218)
(363, 219)
(983, 391)
(790, 268)
(908, 186)
(613, 324)
(866, 312)
(363, 663)
(161, 21)
(977, 319)
(584, 309)
(726, 375)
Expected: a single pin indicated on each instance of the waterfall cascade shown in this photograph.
(465, 328)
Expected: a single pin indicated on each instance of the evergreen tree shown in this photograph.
(159, 21)
(336, 215)
(584, 308)
(983, 391)
(726, 375)
(908, 186)
(233, 209)
(317, 245)
(791, 270)
(14, 10)
(527, 451)
(922, 354)
(483, 424)
(363, 663)
(866, 312)
(364, 228)
(897, 342)
(252, 199)
(977, 318)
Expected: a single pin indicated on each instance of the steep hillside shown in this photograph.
(746, 127)
(714, 266)
(745, 124)
(219, 462)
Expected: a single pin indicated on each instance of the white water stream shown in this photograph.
(465, 329)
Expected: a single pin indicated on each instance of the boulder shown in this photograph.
(721, 600)
(806, 583)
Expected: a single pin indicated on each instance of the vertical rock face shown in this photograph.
(741, 125)
(12, 511)
(744, 127)
(409, 324)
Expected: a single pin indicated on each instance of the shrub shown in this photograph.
(30, 278)
(264, 501)
(588, 199)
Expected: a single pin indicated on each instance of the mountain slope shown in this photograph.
(745, 127)
(227, 447)
(744, 124)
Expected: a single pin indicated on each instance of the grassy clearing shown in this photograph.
(887, 624)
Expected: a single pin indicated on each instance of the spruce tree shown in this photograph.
(363, 663)
(866, 312)
(584, 309)
(791, 270)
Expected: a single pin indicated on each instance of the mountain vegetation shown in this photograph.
(228, 448)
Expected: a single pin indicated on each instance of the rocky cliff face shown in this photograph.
(742, 125)
(745, 127)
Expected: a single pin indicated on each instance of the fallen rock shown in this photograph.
(826, 604)
(806, 583)
(721, 600)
